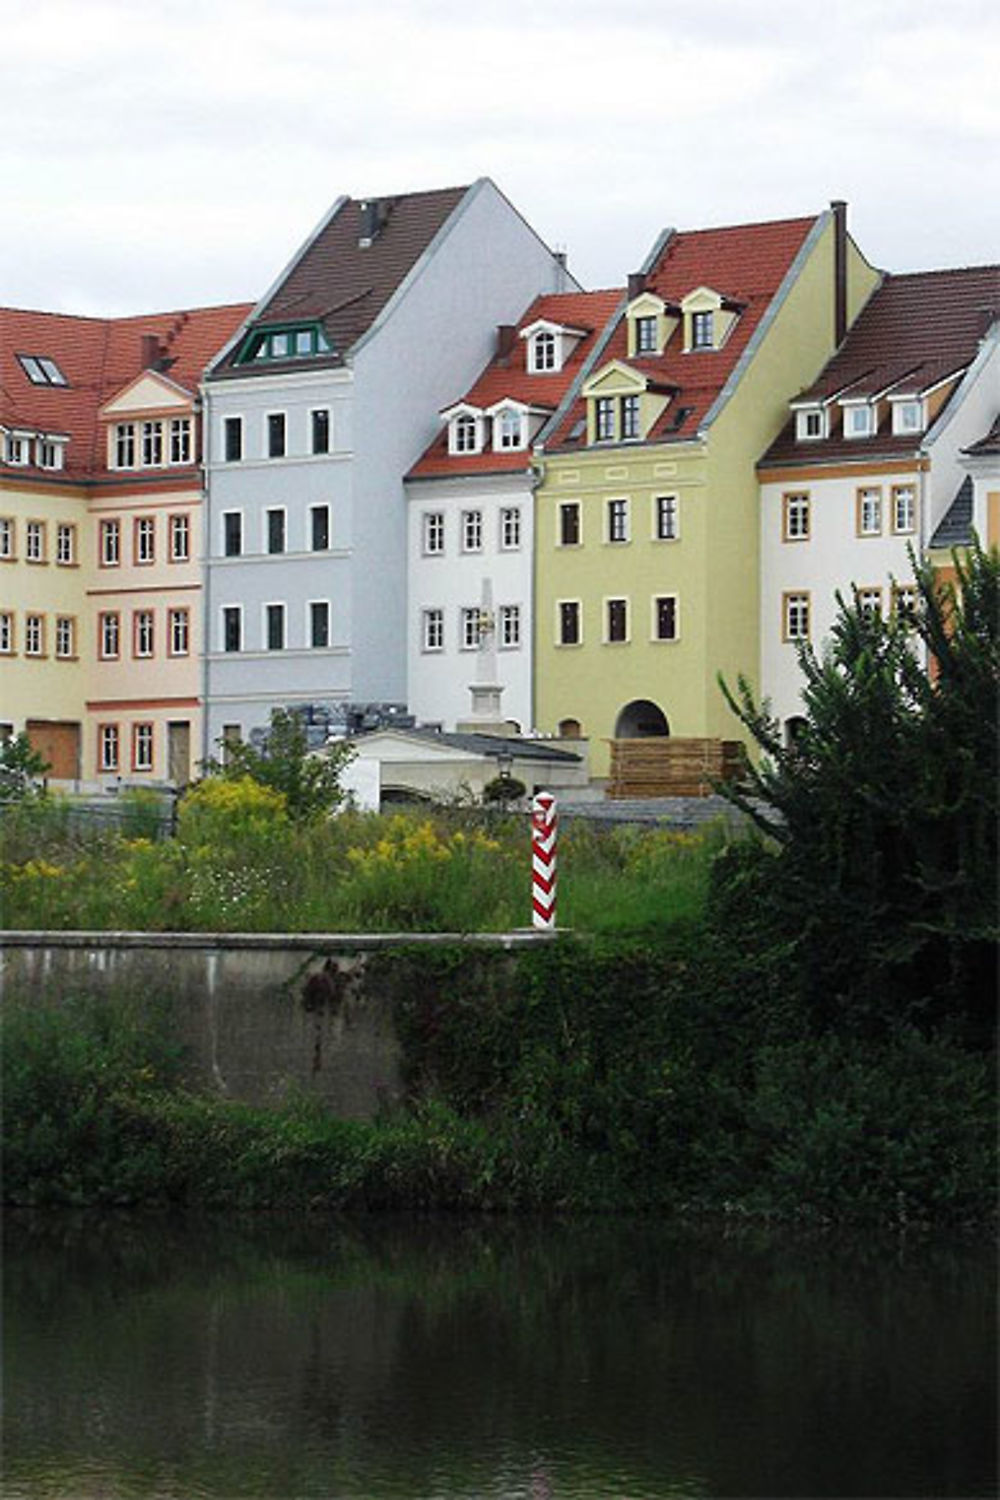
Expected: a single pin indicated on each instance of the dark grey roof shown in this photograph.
(487, 744)
(955, 529)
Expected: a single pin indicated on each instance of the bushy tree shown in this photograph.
(21, 769)
(879, 881)
(309, 781)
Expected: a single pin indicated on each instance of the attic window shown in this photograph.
(645, 335)
(859, 421)
(302, 341)
(908, 416)
(465, 434)
(543, 351)
(508, 430)
(810, 425)
(41, 370)
(702, 330)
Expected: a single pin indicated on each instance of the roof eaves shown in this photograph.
(774, 306)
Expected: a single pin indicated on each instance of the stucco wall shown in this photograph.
(256, 1016)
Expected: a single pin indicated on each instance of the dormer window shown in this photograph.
(543, 351)
(859, 420)
(907, 416)
(811, 424)
(702, 330)
(18, 448)
(50, 453)
(645, 335)
(465, 434)
(508, 428)
(302, 341)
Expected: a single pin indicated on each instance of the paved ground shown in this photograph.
(675, 812)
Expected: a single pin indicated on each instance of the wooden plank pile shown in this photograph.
(671, 767)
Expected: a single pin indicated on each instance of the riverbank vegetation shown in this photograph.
(798, 1023)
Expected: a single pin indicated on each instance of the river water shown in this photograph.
(512, 1359)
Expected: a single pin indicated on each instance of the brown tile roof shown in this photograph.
(508, 376)
(746, 264)
(915, 331)
(987, 445)
(344, 285)
(99, 357)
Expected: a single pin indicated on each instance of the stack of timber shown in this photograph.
(671, 767)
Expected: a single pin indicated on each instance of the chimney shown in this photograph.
(839, 208)
(561, 273)
(374, 213)
(636, 284)
(505, 340)
(150, 355)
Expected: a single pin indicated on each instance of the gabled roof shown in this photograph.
(99, 358)
(955, 528)
(746, 264)
(507, 377)
(916, 331)
(987, 446)
(348, 271)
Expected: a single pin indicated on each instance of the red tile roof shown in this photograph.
(915, 331)
(343, 284)
(507, 376)
(745, 264)
(99, 357)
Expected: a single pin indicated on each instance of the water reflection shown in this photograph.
(513, 1359)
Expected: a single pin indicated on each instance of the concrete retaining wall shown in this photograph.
(256, 1015)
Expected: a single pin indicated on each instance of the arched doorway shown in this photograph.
(641, 720)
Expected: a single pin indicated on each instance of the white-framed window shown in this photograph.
(109, 635)
(665, 617)
(65, 637)
(432, 629)
(795, 516)
(34, 635)
(469, 627)
(666, 518)
(615, 621)
(645, 335)
(6, 632)
(319, 623)
(142, 747)
(319, 429)
(50, 453)
(180, 538)
(108, 747)
(472, 531)
(274, 530)
(65, 544)
(110, 544)
(869, 511)
(142, 632)
(232, 627)
(179, 631)
(319, 528)
(8, 539)
(144, 539)
(569, 523)
(232, 439)
(629, 410)
(604, 418)
(617, 518)
(18, 448)
(433, 533)
(544, 354)
(811, 425)
(152, 445)
(795, 616)
(180, 440)
(232, 533)
(34, 541)
(703, 330)
(859, 421)
(508, 429)
(274, 429)
(569, 623)
(907, 416)
(870, 600)
(464, 434)
(124, 436)
(509, 626)
(904, 509)
(510, 528)
(274, 627)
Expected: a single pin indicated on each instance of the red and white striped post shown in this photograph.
(544, 831)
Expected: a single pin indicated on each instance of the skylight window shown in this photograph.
(41, 370)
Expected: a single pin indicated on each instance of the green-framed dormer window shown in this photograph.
(290, 341)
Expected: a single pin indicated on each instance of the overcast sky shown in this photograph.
(170, 154)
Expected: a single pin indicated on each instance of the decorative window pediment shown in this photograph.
(651, 322)
(150, 392)
(549, 345)
(466, 429)
(709, 318)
